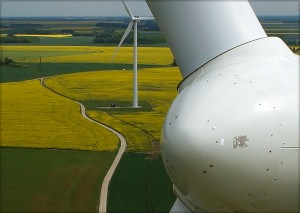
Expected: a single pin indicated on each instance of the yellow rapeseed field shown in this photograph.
(49, 48)
(32, 116)
(157, 86)
(45, 35)
(95, 54)
(42, 35)
(282, 33)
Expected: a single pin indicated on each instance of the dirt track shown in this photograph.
(108, 176)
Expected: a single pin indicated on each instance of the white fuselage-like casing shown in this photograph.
(230, 141)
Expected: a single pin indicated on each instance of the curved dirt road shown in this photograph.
(108, 176)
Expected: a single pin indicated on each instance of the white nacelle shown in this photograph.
(230, 140)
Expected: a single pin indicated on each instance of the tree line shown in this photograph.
(112, 37)
(11, 38)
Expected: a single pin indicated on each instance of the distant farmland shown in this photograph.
(84, 30)
(66, 156)
(36, 117)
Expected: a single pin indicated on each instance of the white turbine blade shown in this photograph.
(127, 31)
(146, 18)
(127, 9)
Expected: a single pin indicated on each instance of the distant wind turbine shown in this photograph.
(133, 22)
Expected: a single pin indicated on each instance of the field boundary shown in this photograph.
(123, 145)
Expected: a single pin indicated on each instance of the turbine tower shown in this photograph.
(134, 21)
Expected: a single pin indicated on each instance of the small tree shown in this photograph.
(8, 61)
(67, 31)
(174, 63)
(10, 35)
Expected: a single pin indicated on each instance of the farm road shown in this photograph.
(108, 176)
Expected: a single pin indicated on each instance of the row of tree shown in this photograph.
(113, 37)
(18, 39)
(145, 25)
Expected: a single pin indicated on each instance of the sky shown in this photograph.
(31, 8)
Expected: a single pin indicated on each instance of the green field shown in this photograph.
(44, 180)
(36, 70)
(72, 41)
(140, 184)
(69, 181)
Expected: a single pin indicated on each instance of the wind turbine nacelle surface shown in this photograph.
(230, 140)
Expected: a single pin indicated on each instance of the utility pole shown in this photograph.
(40, 67)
